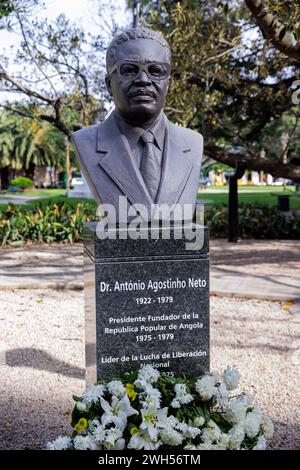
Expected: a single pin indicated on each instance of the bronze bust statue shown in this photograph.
(137, 153)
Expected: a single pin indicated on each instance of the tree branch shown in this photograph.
(24, 89)
(273, 30)
(274, 168)
(32, 56)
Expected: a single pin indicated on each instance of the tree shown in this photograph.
(27, 143)
(60, 69)
(226, 83)
(279, 24)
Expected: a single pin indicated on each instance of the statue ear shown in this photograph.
(108, 84)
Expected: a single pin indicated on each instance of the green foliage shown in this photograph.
(255, 221)
(22, 182)
(25, 142)
(235, 90)
(6, 8)
(288, 12)
(62, 221)
(59, 222)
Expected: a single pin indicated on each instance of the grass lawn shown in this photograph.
(267, 189)
(56, 199)
(36, 192)
(260, 195)
(263, 197)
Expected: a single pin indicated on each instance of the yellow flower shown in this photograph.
(81, 425)
(131, 392)
(134, 430)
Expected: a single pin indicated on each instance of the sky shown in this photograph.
(81, 12)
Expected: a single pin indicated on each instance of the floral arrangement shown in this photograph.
(146, 410)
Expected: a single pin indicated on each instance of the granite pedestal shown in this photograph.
(146, 302)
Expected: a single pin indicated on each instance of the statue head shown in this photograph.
(138, 62)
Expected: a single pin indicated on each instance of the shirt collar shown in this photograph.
(133, 134)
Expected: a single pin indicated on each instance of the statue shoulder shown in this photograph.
(85, 134)
(193, 137)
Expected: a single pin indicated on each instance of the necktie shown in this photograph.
(151, 165)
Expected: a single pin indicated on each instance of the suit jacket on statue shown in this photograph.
(107, 163)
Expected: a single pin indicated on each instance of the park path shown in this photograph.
(267, 270)
(42, 361)
(42, 335)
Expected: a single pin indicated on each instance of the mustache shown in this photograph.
(142, 91)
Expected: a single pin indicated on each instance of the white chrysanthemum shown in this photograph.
(61, 443)
(85, 443)
(219, 446)
(231, 377)
(99, 433)
(190, 447)
(95, 422)
(120, 444)
(211, 433)
(199, 421)
(218, 377)
(182, 396)
(224, 439)
(236, 436)
(115, 387)
(150, 398)
(172, 421)
(92, 394)
(205, 446)
(148, 374)
(261, 444)
(140, 384)
(142, 440)
(267, 427)
(237, 408)
(175, 403)
(221, 395)
(171, 437)
(205, 387)
(113, 434)
(211, 424)
(252, 424)
(188, 431)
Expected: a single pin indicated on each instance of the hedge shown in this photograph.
(62, 222)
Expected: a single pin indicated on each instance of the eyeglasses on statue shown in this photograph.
(129, 70)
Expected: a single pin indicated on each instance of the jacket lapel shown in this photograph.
(117, 160)
(176, 166)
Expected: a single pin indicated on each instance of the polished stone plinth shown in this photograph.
(147, 300)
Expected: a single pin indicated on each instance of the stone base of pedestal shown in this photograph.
(146, 302)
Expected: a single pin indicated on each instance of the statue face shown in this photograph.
(139, 79)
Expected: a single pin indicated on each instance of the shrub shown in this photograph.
(53, 223)
(22, 182)
(255, 221)
(63, 221)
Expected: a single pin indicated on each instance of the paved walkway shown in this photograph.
(250, 269)
(19, 199)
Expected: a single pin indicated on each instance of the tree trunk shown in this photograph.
(68, 169)
(273, 30)
(29, 172)
(4, 177)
